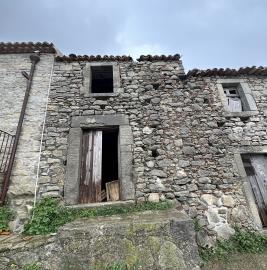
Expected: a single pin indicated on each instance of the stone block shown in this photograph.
(153, 197)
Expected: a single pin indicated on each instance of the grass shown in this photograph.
(122, 266)
(241, 242)
(5, 216)
(32, 266)
(49, 215)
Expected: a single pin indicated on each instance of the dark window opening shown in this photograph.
(102, 79)
(256, 170)
(234, 102)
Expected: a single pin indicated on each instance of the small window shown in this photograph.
(101, 79)
(256, 170)
(233, 98)
(237, 97)
(99, 180)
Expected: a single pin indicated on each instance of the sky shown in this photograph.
(207, 33)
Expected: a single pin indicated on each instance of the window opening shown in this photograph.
(256, 170)
(233, 98)
(101, 79)
(99, 166)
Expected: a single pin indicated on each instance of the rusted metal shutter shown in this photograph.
(91, 167)
(258, 182)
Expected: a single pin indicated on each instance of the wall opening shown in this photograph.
(109, 158)
(78, 183)
(256, 170)
(99, 166)
(101, 79)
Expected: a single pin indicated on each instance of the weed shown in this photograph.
(197, 226)
(32, 266)
(49, 215)
(5, 216)
(241, 242)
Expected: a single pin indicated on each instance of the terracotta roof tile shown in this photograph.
(228, 72)
(91, 58)
(153, 58)
(26, 47)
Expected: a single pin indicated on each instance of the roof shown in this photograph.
(123, 58)
(91, 58)
(152, 58)
(27, 47)
(228, 72)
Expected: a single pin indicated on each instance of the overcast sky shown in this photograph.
(207, 33)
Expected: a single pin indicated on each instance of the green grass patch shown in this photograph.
(49, 214)
(5, 216)
(121, 266)
(241, 242)
(32, 266)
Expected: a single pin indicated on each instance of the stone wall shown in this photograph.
(183, 142)
(185, 147)
(12, 89)
(163, 240)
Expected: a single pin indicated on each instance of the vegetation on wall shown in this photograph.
(123, 266)
(32, 266)
(49, 214)
(241, 242)
(5, 216)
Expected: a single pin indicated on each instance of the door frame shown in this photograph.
(253, 150)
(73, 170)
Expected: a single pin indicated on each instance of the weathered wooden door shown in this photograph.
(258, 181)
(91, 167)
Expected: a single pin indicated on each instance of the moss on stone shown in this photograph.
(171, 257)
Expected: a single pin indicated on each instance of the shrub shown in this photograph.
(32, 266)
(49, 215)
(5, 216)
(241, 242)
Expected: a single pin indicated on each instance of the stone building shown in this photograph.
(93, 124)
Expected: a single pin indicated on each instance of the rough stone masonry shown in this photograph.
(182, 143)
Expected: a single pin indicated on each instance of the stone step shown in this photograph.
(151, 240)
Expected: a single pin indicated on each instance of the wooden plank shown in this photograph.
(259, 184)
(103, 195)
(259, 164)
(82, 189)
(258, 199)
(88, 153)
(234, 104)
(89, 169)
(97, 165)
(113, 191)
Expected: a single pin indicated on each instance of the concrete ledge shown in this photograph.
(101, 204)
(153, 240)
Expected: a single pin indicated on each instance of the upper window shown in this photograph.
(101, 79)
(233, 98)
(237, 97)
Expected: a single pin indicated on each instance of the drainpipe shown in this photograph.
(34, 60)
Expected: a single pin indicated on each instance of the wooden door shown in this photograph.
(91, 167)
(258, 181)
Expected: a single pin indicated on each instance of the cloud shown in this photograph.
(208, 33)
